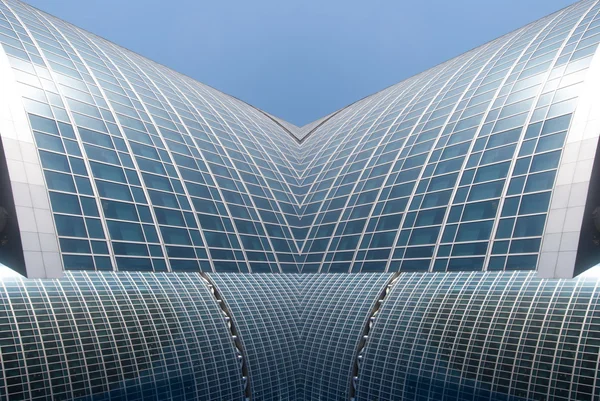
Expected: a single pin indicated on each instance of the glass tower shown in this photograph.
(149, 212)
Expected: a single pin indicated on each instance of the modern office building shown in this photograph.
(150, 215)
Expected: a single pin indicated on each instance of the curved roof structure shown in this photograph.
(107, 336)
(114, 162)
(443, 336)
(483, 336)
(150, 188)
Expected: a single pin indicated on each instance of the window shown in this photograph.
(485, 191)
(169, 216)
(59, 182)
(70, 226)
(424, 235)
(530, 226)
(172, 235)
(474, 231)
(430, 217)
(545, 161)
(480, 210)
(113, 190)
(125, 231)
(64, 203)
(535, 203)
(54, 161)
(119, 210)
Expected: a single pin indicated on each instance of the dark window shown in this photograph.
(64, 203)
(173, 235)
(480, 210)
(424, 235)
(485, 191)
(70, 226)
(119, 210)
(535, 203)
(113, 190)
(530, 226)
(474, 231)
(54, 161)
(125, 231)
(545, 161)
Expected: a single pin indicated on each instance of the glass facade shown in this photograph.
(108, 336)
(334, 310)
(264, 307)
(484, 336)
(149, 193)
(442, 336)
(453, 169)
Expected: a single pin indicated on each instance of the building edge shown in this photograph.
(31, 245)
(568, 247)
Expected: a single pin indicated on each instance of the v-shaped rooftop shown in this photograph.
(379, 182)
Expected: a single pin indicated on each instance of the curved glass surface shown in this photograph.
(108, 336)
(300, 332)
(453, 169)
(484, 336)
(333, 311)
(264, 308)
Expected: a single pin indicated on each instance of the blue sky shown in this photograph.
(300, 60)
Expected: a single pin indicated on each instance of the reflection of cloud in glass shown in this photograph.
(7, 272)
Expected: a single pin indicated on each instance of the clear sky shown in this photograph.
(300, 59)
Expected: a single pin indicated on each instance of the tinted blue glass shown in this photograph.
(77, 166)
(170, 217)
(551, 142)
(521, 262)
(539, 182)
(484, 191)
(535, 203)
(70, 226)
(95, 138)
(60, 182)
(125, 231)
(89, 206)
(545, 161)
(430, 217)
(49, 142)
(78, 262)
(424, 235)
(107, 172)
(436, 199)
(525, 246)
(64, 203)
(94, 227)
(480, 210)
(556, 124)
(43, 124)
(477, 248)
(84, 186)
(74, 245)
(415, 265)
(529, 226)
(101, 154)
(113, 190)
(54, 161)
(173, 235)
(465, 264)
(119, 210)
(150, 232)
(474, 231)
(206, 158)
(511, 206)
(492, 172)
(99, 247)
